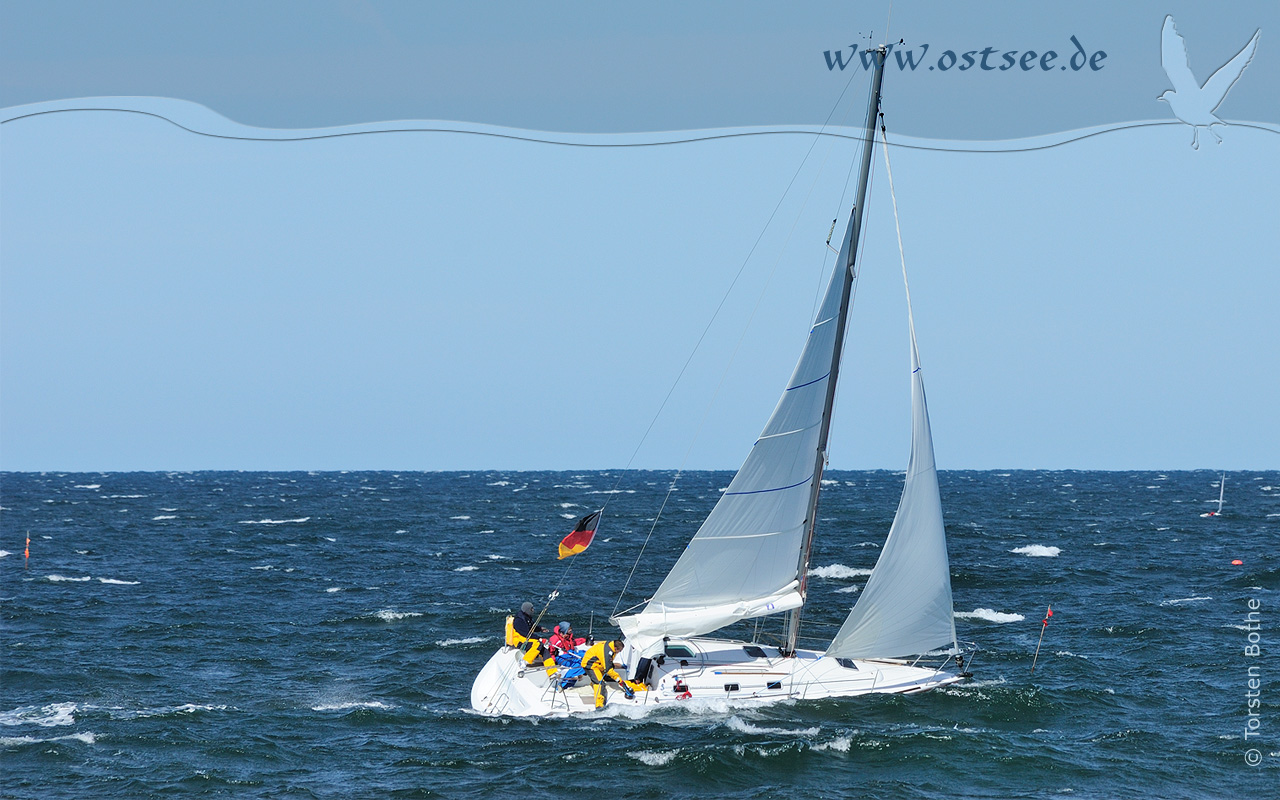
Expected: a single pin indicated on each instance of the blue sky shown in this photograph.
(451, 301)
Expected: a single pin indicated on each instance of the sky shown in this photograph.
(206, 285)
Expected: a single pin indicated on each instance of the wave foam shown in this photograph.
(58, 578)
(4, 553)
(839, 571)
(655, 758)
(273, 521)
(840, 745)
(13, 741)
(116, 582)
(350, 705)
(1038, 551)
(468, 640)
(46, 716)
(164, 516)
(387, 615)
(989, 615)
(1182, 600)
(466, 569)
(740, 725)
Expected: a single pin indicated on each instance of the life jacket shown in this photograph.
(562, 643)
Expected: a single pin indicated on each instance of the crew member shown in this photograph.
(562, 639)
(524, 625)
(598, 662)
(523, 633)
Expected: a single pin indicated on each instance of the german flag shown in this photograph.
(581, 537)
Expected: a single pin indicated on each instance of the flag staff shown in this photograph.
(1048, 613)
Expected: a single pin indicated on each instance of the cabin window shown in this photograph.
(753, 651)
(775, 684)
(679, 651)
(731, 687)
(847, 663)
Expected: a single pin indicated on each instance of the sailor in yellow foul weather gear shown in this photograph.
(598, 662)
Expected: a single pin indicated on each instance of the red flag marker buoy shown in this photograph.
(1236, 563)
(26, 551)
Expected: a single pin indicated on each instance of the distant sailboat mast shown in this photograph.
(851, 238)
(1222, 487)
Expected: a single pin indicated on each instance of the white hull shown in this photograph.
(716, 670)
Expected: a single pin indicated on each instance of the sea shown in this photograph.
(316, 634)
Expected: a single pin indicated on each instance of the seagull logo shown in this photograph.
(1192, 103)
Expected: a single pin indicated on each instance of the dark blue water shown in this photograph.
(316, 635)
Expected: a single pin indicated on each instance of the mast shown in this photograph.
(855, 226)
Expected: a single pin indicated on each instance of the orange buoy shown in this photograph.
(1236, 563)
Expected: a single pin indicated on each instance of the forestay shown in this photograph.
(744, 560)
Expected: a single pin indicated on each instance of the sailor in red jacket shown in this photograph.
(562, 639)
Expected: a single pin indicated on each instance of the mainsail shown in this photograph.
(744, 560)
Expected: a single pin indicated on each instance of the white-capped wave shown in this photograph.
(847, 590)
(990, 615)
(58, 578)
(499, 483)
(654, 758)
(468, 640)
(1182, 600)
(1038, 551)
(273, 521)
(164, 516)
(4, 553)
(467, 568)
(461, 516)
(839, 571)
(46, 716)
(840, 744)
(161, 711)
(14, 741)
(333, 589)
(738, 724)
(264, 567)
(387, 615)
(1070, 654)
(87, 486)
(349, 705)
(117, 582)
(496, 557)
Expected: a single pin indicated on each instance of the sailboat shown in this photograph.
(1222, 487)
(750, 559)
